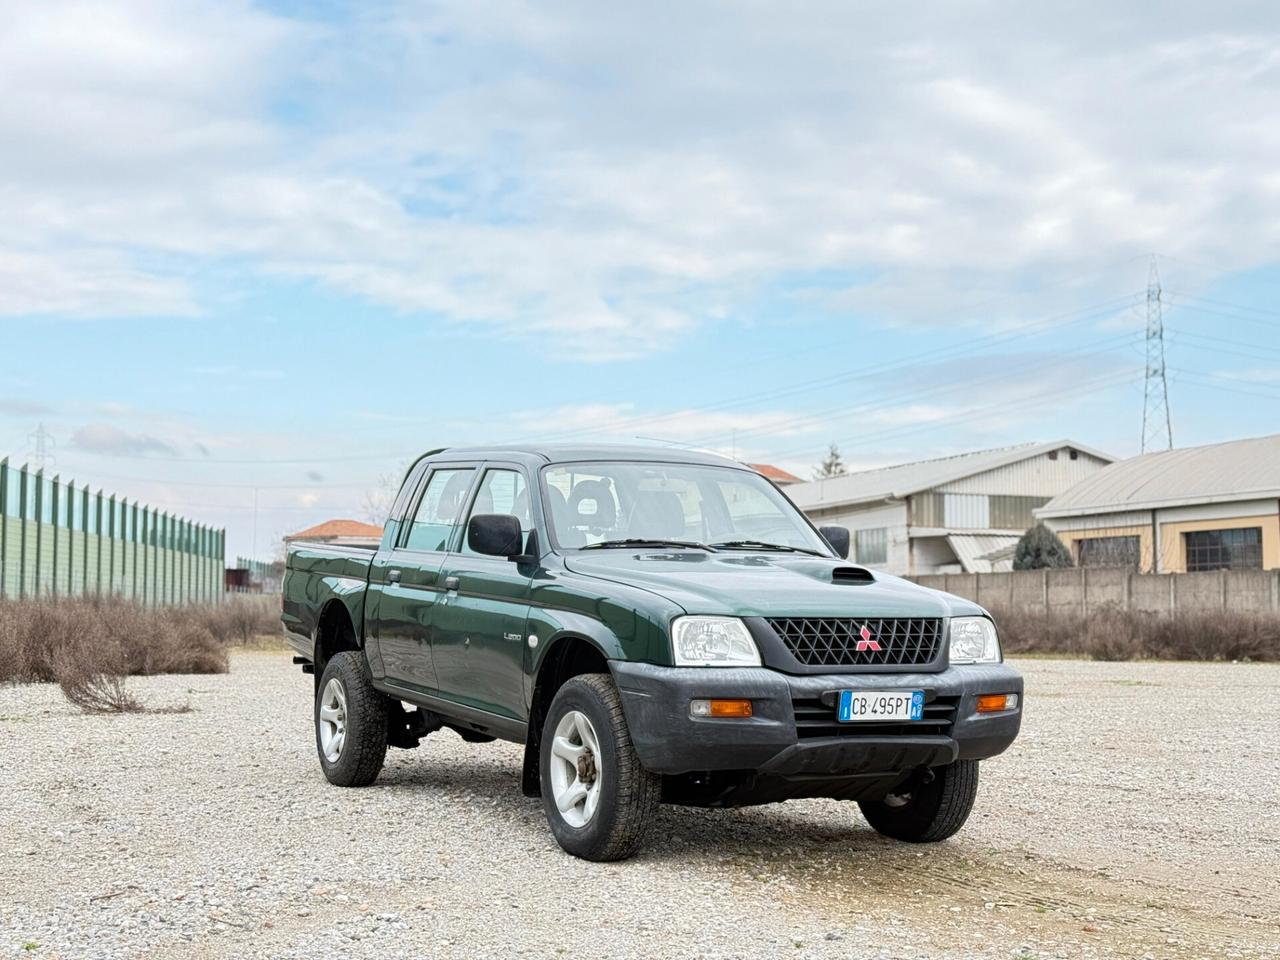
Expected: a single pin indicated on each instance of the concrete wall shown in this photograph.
(1080, 589)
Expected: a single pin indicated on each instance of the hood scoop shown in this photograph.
(852, 575)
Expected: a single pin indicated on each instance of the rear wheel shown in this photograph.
(351, 722)
(926, 810)
(597, 796)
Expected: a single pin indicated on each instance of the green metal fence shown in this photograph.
(60, 540)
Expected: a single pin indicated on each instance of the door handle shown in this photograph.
(451, 583)
(393, 576)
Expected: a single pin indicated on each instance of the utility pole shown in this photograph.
(1157, 428)
(41, 444)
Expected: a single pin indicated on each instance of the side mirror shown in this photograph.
(495, 535)
(838, 537)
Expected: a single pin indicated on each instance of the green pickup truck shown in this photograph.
(653, 626)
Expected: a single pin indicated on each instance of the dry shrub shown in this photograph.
(241, 618)
(92, 677)
(1110, 633)
(37, 636)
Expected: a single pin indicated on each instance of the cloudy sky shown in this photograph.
(268, 252)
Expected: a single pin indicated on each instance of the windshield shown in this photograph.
(599, 503)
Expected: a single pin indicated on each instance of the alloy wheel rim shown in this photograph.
(333, 720)
(576, 777)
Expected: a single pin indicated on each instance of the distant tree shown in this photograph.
(832, 464)
(378, 500)
(1039, 549)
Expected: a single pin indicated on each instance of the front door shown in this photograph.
(407, 579)
(479, 635)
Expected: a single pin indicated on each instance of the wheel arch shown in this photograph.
(335, 632)
(567, 655)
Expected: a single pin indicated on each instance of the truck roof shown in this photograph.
(578, 452)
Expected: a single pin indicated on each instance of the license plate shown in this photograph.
(861, 706)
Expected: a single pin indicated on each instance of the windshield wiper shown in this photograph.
(764, 545)
(646, 542)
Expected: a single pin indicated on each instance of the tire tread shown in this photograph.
(365, 748)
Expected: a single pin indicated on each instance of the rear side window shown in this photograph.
(439, 510)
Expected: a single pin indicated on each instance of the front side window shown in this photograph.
(1224, 549)
(439, 509)
(592, 503)
(871, 546)
(502, 491)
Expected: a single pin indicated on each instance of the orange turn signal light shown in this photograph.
(739, 709)
(997, 702)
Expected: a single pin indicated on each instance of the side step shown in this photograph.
(307, 665)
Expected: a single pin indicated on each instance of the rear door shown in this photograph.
(407, 577)
(479, 635)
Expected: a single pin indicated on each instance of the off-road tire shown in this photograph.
(629, 795)
(365, 745)
(936, 809)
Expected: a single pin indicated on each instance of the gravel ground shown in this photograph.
(1138, 815)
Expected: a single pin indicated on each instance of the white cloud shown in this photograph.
(604, 180)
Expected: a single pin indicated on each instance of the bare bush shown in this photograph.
(34, 634)
(242, 618)
(92, 677)
(1110, 633)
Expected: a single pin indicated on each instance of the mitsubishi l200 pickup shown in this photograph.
(654, 626)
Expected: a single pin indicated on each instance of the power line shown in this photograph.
(937, 354)
(1157, 426)
(893, 400)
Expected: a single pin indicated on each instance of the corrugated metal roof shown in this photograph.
(1235, 470)
(974, 551)
(905, 479)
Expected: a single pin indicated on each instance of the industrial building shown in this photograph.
(958, 514)
(1215, 507)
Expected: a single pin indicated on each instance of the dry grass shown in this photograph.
(1110, 633)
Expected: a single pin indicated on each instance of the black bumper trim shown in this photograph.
(669, 741)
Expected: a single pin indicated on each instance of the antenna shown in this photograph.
(41, 444)
(1157, 428)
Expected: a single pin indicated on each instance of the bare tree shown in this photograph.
(377, 501)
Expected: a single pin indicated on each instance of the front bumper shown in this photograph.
(668, 740)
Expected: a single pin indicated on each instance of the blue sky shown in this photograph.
(284, 247)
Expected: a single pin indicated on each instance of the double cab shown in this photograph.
(654, 626)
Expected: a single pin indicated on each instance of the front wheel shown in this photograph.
(351, 722)
(927, 810)
(597, 796)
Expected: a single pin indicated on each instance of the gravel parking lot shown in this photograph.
(1138, 815)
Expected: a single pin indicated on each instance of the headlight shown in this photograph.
(973, 640)
(712, 642)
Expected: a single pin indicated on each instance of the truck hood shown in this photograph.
(767, 585)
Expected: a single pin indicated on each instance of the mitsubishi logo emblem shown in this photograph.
(865, 642)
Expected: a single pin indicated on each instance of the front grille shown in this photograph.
(816, 719)
(841, 642)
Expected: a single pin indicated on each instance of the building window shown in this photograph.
(1110, 552)
(1224, 549)
(871, 546)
